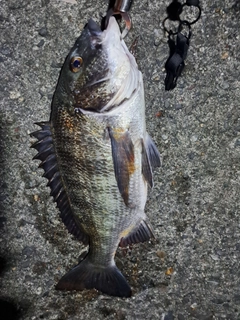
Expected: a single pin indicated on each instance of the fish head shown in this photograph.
(95, 70)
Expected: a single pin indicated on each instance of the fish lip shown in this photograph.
(94, 28)
(100, 36)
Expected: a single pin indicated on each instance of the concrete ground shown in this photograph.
(192, 269)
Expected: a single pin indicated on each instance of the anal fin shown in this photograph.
(141, 233)
(123, 159)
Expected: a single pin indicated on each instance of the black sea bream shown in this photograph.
(97, 155)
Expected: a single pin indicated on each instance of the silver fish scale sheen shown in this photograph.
(98, 157)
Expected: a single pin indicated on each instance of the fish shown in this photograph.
(98, 157)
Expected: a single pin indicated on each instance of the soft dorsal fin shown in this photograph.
(150, 159)
(46, 154)
(146, 166)
(123, 159)
(152, 151)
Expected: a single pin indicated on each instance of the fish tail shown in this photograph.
(86, 275)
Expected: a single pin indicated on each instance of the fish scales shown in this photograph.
(98, 157)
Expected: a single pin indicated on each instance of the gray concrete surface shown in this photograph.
(192, 270)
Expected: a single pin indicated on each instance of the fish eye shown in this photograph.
(75, 64)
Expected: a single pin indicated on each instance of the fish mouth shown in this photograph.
(110, 34)
(95, 29)
(113, 27)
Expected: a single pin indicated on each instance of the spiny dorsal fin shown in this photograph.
(141, 233)
(123, 159)
(46, 153)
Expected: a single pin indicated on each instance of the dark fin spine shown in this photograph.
(42, 144)
(46, 153)
(142, 233)
(108, 280)
(43, 154)
(50, 172)
(123, 160)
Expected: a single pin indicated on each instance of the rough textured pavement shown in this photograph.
(192, 269)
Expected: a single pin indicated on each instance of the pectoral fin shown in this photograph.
(123, 159)
(150, 159)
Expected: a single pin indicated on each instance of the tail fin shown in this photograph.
(108, 280)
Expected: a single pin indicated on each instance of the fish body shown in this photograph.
(97, 155)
